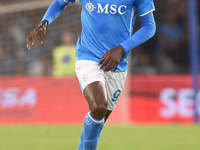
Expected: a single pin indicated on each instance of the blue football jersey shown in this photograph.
(106, 24)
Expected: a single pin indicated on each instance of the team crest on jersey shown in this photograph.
(90, 7)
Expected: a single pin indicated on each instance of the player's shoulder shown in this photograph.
(144, 6)
(143, 2)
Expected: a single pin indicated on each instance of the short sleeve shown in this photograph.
(144, 7)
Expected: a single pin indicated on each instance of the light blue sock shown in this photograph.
(91, 133)
(80, 146)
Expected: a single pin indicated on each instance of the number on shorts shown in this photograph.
(116, 95)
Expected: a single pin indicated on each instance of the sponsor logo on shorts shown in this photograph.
(85, 77)
(116, 95)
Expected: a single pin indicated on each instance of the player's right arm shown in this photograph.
(54, 10)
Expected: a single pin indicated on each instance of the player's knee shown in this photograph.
(99, 111)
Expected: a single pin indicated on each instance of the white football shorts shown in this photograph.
(89, 71)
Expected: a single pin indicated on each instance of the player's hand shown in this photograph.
(112, 58)
(39, 30)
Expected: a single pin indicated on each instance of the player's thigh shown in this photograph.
(114, 85)
(95, 94)
(92, 81)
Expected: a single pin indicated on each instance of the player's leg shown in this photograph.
(96, 97)
(92, 82)
(114, 86)
(114, 83)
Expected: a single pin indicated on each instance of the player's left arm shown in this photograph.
(147, 31)
(112, 57)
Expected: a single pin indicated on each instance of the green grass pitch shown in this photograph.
(114, 137)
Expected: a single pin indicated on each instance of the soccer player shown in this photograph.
(102, 53)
